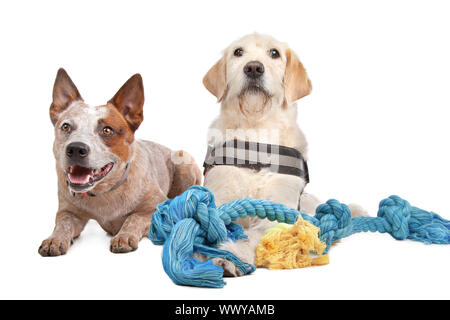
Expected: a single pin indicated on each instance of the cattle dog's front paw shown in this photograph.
(53, 247)
(123, 243)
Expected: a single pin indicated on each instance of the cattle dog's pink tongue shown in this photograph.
(80, 175)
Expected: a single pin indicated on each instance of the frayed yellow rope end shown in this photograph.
(286, 246)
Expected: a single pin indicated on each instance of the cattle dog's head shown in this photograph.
(93, 145)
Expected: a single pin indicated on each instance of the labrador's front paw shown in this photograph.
(124, 243)
(229, 269)
(53, 247)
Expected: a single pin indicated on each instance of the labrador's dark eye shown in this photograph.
(238, 52)
(274, 53)
(66, 128)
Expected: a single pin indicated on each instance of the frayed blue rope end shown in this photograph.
(407, 222)
(395, 216)
(191, 223)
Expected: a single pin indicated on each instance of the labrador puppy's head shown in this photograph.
(257, 73)
(93, 144)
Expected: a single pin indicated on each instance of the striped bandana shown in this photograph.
(256, 156)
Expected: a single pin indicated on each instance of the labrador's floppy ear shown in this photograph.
(129, 100)
(296, 81)
(64, 93)
(215, 80)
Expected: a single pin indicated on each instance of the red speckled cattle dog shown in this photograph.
(104, 173)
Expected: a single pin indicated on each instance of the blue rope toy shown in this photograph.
(191, 222)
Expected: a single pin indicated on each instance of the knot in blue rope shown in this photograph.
(397, 212)
(333, 220)
(196, 203)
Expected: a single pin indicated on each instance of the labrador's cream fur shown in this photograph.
(268, 116)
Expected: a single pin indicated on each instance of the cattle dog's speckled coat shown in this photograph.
(124, 199)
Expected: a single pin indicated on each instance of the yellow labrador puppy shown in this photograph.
(256, 148)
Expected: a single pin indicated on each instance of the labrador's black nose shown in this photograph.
(77, 150)
(254, 69)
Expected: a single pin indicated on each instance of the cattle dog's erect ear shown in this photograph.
(215, 80)
(129, 100)
(296, 81)
(64, 93)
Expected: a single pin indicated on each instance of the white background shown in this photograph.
(377, 122)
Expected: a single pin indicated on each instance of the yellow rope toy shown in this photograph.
(287, 246)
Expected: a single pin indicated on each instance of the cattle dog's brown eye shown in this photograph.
(274, 53)
(238, 52)
(107, 131)
(66, 127)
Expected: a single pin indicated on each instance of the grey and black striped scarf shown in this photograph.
(255, 155)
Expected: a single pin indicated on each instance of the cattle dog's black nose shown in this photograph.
(254, 69)
(77, 150)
